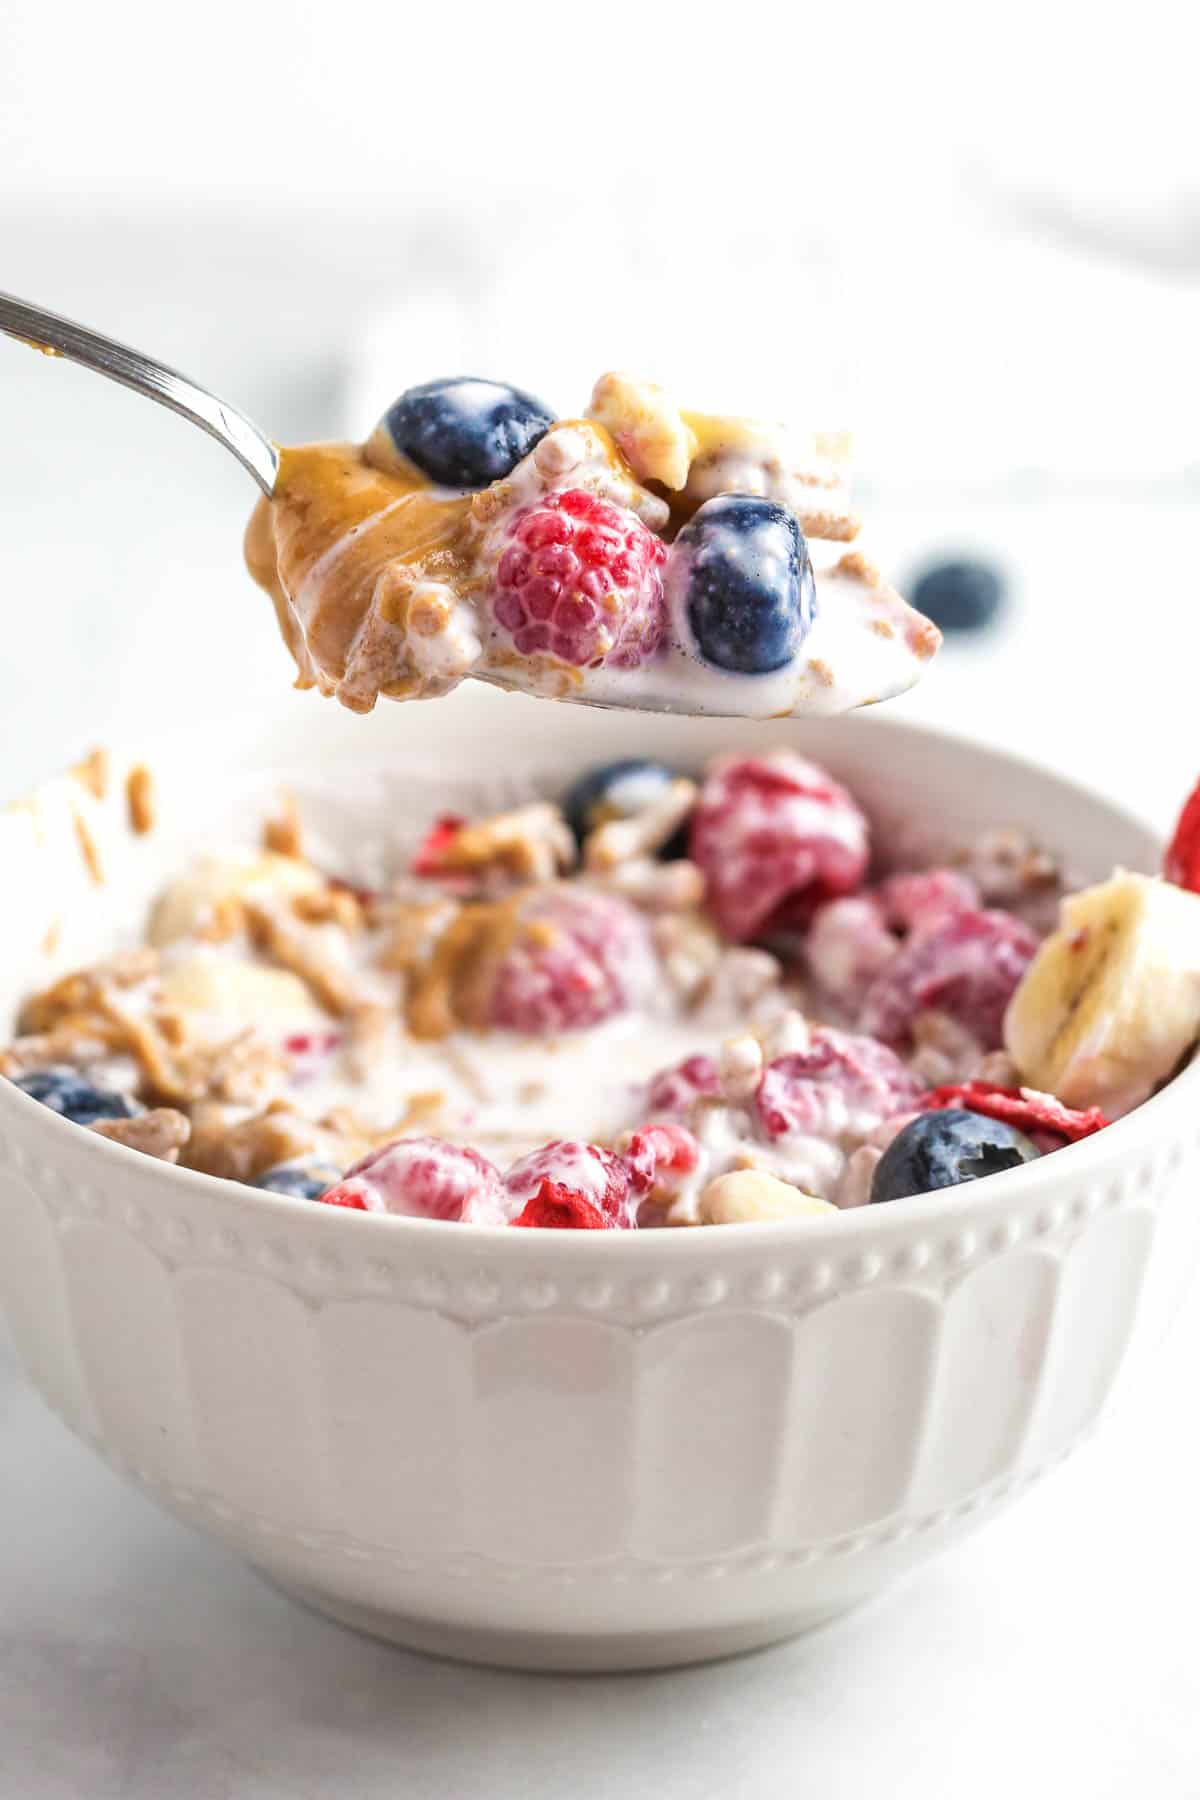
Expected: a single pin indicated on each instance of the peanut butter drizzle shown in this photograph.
(334, 525)
(453, 988)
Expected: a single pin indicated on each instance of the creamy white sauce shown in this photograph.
(505, 1094)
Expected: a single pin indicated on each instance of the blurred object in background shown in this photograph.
(976, 247)
(960, 594)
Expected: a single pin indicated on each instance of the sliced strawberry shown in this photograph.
(555, 1208)
(1182, 862)
(429, 858)
(1024, 1108)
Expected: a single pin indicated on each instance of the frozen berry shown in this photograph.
(620, 790)
(659, 1156)
(676, 1090)
(774, 836)
(740, 574)
(464, 432)
(1025, 1108)
(429, 856)
(966, 966)
(1182, 862)
(575, 959)
(962, 595)
(840, 1088)
(569, 1185)
(423, 1178)
(913, 902)
(304, 1181)
(581, 579)
(64, 1090)
(942, 1149)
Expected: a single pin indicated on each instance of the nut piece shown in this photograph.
(162, 1132)
(658, 887)
(621, 840)
(740, 980)
(647, 426)
(139, 798)
(748, 1197)
(284, 834)
(741, 1068)
(854, 1184)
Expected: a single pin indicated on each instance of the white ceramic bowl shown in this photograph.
(565, 1450)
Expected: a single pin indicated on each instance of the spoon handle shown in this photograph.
(56, 336)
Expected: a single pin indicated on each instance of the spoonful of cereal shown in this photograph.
(638, 556)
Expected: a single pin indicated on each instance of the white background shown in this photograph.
(973, 234)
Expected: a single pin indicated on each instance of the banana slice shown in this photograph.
(1111, 1001)
(193, 905)
(239, 993)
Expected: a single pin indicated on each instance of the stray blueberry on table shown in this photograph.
(66, 1091)
(942, 1149)
(466, 433)
(620, 790)
(962, 595)
(746, 581)
(304, 1181)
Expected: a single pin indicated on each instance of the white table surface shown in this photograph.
(1053, 1655)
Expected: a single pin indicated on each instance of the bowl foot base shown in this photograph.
(549, 1652)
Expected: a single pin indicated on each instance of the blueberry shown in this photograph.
(466, 433)
(304, 1181)
(941, 1149)
(66, 1091)
(959, 596)
(747, 583)
(620, 790)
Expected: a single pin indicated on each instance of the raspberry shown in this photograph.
(572, 1186)
(916, 901)
(774, 836)
(1182, 862)
(840, 1087)
(676, 1090)
(966, 966)
(581, 579)
(1024, 1108)
(659, 1156)
(576, 958)
(423, 1178)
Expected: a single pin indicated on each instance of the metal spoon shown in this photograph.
(56, 336)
